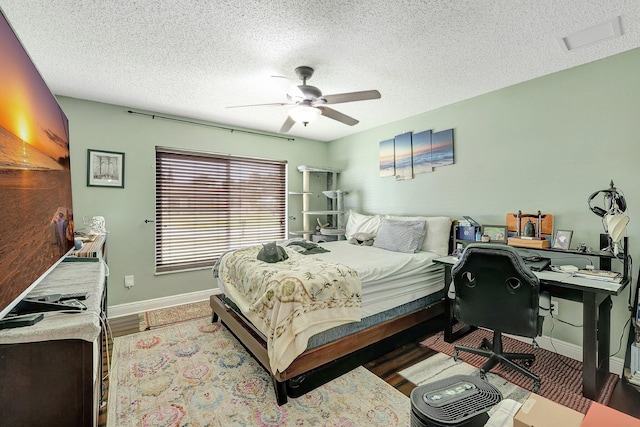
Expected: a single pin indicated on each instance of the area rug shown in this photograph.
(197, 374)
(170, 315)
(441, 366)
(561, 376)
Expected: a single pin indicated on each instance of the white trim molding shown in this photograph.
(164, 302)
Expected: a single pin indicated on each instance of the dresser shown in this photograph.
(51, 372)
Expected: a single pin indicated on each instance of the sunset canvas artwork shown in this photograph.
(35, 176)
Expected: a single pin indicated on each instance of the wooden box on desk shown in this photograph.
(528, 243)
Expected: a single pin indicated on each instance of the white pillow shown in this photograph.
(401, 236)
(438, 232)
(359, 223)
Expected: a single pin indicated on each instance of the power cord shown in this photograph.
(555, 350)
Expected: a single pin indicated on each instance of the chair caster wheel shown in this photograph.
(483, 375)
(536, 388)
(455, 355)
(528, 363)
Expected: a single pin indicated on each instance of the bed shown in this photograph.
(350, 304)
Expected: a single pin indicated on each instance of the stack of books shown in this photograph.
(604, 275)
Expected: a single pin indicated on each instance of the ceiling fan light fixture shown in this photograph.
(304, 113)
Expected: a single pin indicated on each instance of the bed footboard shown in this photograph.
(321, 364)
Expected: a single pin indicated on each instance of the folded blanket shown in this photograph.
(291, 300)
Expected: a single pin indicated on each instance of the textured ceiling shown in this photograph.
(194, 58)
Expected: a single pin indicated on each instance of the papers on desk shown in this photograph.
(552, 275)
(595, 284)
(606, 276)
(569, 278)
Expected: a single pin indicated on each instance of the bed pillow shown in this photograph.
(438, 232)
(359, 223)
(401, 236)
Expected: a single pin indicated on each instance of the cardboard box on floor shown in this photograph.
(599, 415)
(538, 411)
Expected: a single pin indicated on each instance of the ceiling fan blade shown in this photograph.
(289, 86)
(260, 105)
(337, 115)
(351, 96)
(287, 125)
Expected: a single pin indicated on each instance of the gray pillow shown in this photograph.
(401, 236)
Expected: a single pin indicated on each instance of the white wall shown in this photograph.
(130, 240)
(546, 144)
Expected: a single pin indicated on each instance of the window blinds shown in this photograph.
(207, 204)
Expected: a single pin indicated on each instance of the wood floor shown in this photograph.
(626, 398)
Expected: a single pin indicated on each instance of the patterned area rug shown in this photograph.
(561, 376)
(170, 315)
(197, 374)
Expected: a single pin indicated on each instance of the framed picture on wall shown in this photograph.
(496, 233)
(105, 169)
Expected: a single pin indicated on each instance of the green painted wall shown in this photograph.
(545, 144)
(131, 241)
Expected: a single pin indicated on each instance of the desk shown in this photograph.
(596, 317)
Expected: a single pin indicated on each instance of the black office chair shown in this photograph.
(494, 289)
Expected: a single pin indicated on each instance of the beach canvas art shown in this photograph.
(403, 157)
(422, 152)
(387, 158)
(442, 148)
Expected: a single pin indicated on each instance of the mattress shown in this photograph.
(393, 284)
(389, 279)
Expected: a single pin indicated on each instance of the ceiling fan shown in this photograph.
(308, 101)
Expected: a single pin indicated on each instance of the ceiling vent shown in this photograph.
(588, 36)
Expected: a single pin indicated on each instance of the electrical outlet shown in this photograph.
(128, 282)
(555, 307)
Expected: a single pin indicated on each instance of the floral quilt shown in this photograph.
(291, 300)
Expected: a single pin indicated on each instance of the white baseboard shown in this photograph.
(572, 351)
(154, 304)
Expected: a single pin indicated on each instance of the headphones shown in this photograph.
(611, 197)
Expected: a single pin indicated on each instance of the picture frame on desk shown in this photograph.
(562, 239)
(496, 233)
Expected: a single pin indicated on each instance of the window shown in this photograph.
(207, 204)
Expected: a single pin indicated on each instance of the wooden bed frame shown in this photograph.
(321, 364)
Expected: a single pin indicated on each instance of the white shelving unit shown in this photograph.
(335, 204)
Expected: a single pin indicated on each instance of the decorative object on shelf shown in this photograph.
(320, 225)
(529, 229)
(105, 169)
(98, 226)
(535, 233)
(496, 233)
(562, 240)
(614, 219)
